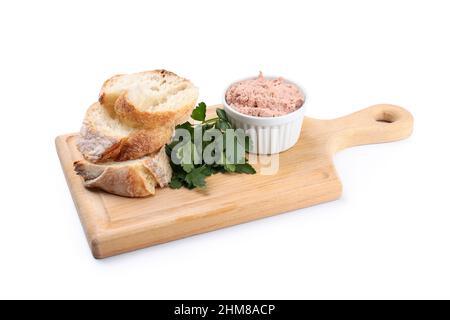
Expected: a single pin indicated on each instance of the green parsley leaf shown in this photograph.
(196, 177)
(187, 126)
(221, 114)
(229, 167)
(199, 113)
(190, 175)
(175, 183)
(248, 144)
(208, 171)
(187, 167)
(245, 168)
(223, 125)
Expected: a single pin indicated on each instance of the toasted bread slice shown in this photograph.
(134, 178)
(104, 138)
(149, 99)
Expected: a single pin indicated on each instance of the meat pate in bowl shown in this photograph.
(269, 109)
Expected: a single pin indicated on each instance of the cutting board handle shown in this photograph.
(375, 124)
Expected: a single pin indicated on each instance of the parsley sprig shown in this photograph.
(192, 175)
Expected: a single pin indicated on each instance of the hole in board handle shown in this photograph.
(386, 117)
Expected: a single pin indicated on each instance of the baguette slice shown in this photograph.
(149, 99)
(134, 178)
(104, 138)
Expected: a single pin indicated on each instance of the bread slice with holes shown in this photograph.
(105, 138)
(134, 178)
(149, 99)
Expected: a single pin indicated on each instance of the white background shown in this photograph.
(387, 237)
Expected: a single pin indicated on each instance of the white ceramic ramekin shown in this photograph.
(269, 135)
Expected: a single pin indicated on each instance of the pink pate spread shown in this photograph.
(263, 97)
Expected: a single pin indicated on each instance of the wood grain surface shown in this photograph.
(306, 177)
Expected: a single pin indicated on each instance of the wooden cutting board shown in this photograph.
(306, 177)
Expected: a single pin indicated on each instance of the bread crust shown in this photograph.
(143, 142)
(108, 100)
(129, 179)
(98, 147)
(121, 106)
(159, 167)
